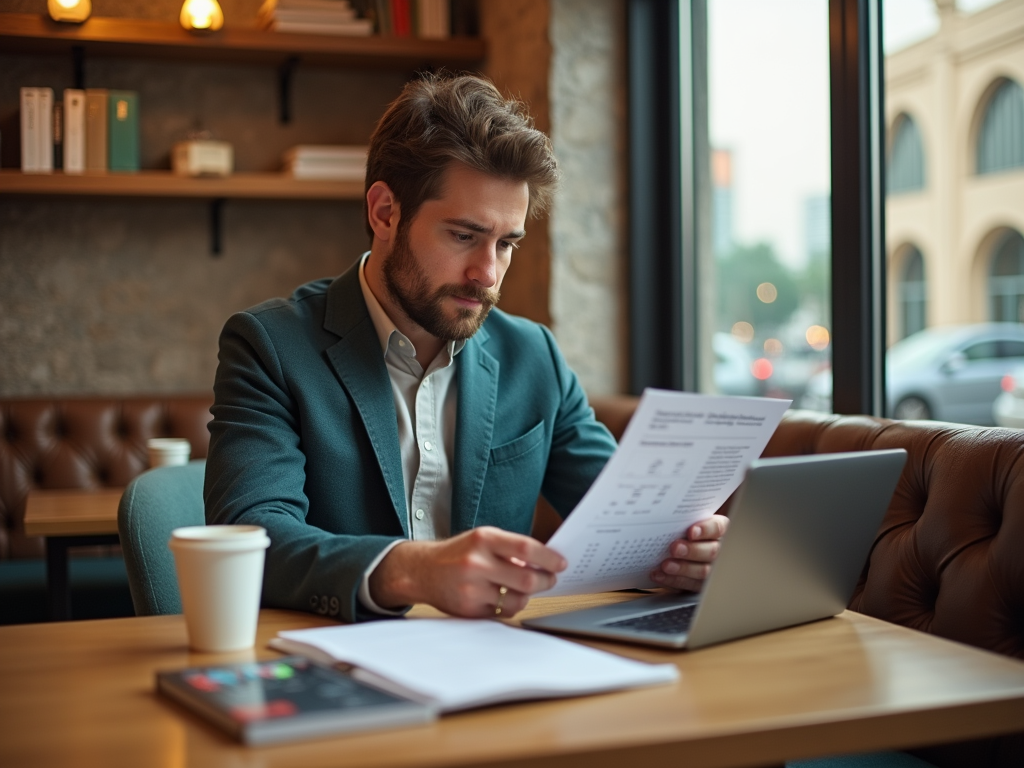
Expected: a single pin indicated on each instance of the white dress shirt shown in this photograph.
(426, 404)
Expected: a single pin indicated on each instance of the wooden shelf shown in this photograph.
(34, 33)
(271, 186)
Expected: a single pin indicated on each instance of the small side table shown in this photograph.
(69, 518)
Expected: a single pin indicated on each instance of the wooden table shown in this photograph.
(71, 518)
(83, 693)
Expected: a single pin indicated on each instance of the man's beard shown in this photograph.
(407, 284)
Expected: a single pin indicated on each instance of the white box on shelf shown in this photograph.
(203, 157)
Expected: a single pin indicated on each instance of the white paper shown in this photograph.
(462, 663)
(681, 457)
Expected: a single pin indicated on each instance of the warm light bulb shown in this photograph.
(201, 16)
(69, 10)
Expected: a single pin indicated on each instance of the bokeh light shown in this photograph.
(767, 293)
(743, 332)
(818, 337)
(772, 347)
(761, 368)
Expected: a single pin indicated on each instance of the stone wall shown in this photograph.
(588, 234)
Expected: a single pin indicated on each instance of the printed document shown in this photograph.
(679, 460)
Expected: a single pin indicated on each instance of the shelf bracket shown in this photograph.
(78, 66)
(216, 233)
(284, 83)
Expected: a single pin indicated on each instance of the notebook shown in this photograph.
(455, 664)
(287, 699)
(800, 532)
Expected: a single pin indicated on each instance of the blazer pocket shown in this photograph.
(521, 445)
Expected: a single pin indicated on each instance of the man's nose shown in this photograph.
(483, 269)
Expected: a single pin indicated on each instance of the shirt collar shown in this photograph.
(383, 324)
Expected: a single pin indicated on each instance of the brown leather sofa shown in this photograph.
(949, 556)
(56, 443)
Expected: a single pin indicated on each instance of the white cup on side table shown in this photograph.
(220, 577)
(168, 451)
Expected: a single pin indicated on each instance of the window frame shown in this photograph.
(669, 195)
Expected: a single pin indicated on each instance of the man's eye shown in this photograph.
(462, 237)
(506, 245)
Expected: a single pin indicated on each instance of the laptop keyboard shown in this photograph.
(671, 622)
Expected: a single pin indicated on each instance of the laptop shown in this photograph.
(800, 531)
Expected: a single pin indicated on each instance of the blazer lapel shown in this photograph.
(359, 363)
(478, 400)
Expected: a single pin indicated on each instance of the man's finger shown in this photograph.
(685, 568)
(516, 547)
(712, 528)
(524, 580)
(697, 551)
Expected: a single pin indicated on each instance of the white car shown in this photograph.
(1008, 409)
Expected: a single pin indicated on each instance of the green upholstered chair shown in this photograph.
(155, 503)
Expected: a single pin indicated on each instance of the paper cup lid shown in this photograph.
(169, 444)
(220, 537)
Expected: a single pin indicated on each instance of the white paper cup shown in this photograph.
(220, 576)
(168, 451)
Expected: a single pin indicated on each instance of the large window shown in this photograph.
(1001, 138)
(766, 266)
(1006, 280)
(912, 293)
(906, 157)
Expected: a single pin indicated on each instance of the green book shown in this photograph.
(123, 131)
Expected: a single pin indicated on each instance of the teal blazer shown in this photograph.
(304, 439)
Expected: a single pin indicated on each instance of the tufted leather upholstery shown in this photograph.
(83, 443)
(947, 558)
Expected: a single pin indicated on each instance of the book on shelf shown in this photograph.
(57, 149)
(36, 130)
(328, 162)
(433, 19)
(123, 131)
(456, 664)
(74, 130)
(401, 18)
(96, 122)
(287, 699)
(318, 17)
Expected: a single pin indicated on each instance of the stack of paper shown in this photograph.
(461, 663)
(338, 163)
(318, 17)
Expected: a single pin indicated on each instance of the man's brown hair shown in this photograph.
(441, 119)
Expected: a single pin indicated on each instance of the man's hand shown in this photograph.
(462, 575)
(690, 558)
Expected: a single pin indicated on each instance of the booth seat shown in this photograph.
(949, 556)
(90, 442)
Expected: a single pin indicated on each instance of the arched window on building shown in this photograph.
(1006, 279)
(911, 292)
(906, 157)
(1001, 138)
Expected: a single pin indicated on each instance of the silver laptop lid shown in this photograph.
(801, 531)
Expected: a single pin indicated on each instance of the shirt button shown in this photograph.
(420, 514)
(401, 343)
(428, 445)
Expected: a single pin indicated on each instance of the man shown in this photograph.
(389, 430)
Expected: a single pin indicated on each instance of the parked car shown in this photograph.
(732, 367)
(951, 373)
(1008, 409)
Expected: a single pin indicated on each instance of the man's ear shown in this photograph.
(383, 211)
